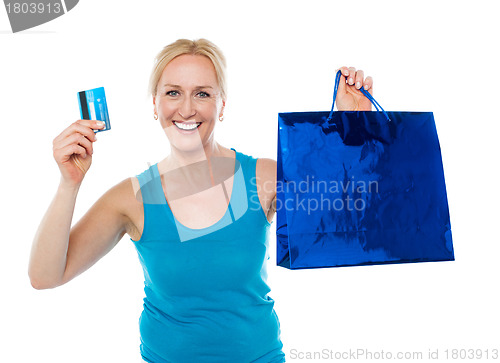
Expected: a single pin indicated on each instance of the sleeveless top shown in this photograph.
(206, 289)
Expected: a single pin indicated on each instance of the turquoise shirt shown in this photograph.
(206, 291)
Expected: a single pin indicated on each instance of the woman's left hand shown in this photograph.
(349, 97)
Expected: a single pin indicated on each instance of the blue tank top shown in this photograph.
(206, 289)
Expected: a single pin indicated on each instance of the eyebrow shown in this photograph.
(177, 86)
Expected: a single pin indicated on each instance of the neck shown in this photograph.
(178, 158)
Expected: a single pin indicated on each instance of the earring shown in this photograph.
(155, 116)
(221, 117)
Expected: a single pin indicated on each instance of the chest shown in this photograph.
(198, 204)
(200, 201)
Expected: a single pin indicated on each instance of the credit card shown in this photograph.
(93, 106)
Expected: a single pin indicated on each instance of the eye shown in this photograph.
(203, 94)
(172, 93)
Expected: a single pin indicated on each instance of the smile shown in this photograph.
(187, 126)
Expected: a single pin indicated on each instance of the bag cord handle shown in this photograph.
(365, 92)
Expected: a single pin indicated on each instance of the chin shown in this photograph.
(187, 146)
(184, 142)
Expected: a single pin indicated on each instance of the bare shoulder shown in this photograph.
(122, 194)
(101, 228)
(126, 199)
(131, 206)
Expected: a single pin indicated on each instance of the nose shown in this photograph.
(187, 108)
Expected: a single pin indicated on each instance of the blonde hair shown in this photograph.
(195, 47)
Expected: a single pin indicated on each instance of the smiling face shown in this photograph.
(188, 102)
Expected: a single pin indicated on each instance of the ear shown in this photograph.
(223, 105)
(155, 111)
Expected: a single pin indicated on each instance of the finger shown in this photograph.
(93, 124)
(77, 139)
(345, 73)
(86, 127)
(84, 142)
(65, 153)
(76, 149)
(352, 76)
(359, 78)
(87, 131)
(81, 134)
(368, 84)
(75, 132)
(90, 126)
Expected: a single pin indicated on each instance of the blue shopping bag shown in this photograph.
(360, 188)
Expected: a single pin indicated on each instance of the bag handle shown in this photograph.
(365, 92)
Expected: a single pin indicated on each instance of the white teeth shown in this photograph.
(183, 126)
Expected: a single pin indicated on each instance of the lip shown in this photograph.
(187, 123)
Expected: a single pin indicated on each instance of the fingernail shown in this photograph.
(358, 85)
(366, 87)
(101, 123)
(351, 81)
(346, 72)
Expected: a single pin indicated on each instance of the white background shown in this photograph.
(282, 56)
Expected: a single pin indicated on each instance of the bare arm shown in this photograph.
(48, 252)
(266, 185)
(59, 252)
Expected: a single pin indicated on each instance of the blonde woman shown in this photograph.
(199, 219)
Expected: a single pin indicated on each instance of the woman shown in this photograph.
(200, 235)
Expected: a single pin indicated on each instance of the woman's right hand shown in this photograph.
(72, 150)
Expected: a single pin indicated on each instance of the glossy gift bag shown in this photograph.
(360, 188)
